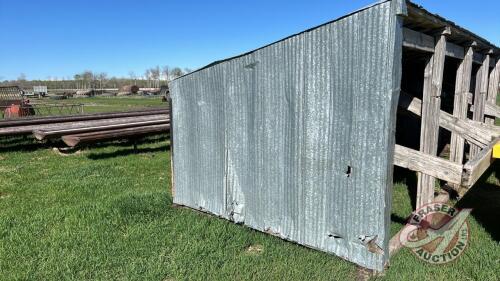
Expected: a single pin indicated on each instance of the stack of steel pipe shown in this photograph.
(80, 129)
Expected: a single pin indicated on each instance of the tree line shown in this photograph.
(153, 77)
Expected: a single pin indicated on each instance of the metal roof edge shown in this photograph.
(445, 22)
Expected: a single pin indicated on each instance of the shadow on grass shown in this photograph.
(22, 144)
(398, 219)
(144, 207)
(410, 179)
(129, 142)
(126, 152)
(28, 144)
(483, 198)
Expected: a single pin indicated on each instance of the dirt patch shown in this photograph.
(4, 195)
(2, 158)
(256, 249)
(66, 152)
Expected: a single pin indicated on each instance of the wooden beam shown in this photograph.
(417, 40)
(492, 110)
(420, 41)
(474, 132)
(493, 88)
(431, 104)
(462, 85)
(476, 167)
(463, 175)
(417, 14)
(480, 95)
(427, 164)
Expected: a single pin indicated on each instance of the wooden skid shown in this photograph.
(460, 104)
(492, 109)
(475, 167)
(431, 104)
(427, 164)
(474, 132)
(463, 175)
(480, 97)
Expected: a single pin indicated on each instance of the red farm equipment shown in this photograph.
(13, 104)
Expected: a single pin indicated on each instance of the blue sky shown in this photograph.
(60, 38)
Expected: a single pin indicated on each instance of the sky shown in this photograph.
(55, 38)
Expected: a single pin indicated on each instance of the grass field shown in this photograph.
(106, 104)
(106, 214)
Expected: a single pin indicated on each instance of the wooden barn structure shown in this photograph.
(299, 138)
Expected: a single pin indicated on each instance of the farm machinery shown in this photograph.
(14, 104)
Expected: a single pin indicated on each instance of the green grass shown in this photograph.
(106, 214)
(105, 104)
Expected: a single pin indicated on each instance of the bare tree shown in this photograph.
(78, 79)
(165, 72)
(176, 72)
(88, 77)
(132, 76)
(21, 77)
(155, 75)
(103, 76)
(147, 75)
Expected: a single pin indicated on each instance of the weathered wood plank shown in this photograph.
(420, 41)
(462, 86)
(427, 164)
(492, 110)
(431, 103)
(474, 132)
(474, 168)
(492, 94)
(480, 95)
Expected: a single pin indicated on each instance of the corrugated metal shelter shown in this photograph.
(297, 138)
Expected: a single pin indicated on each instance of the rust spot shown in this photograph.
(270, 231)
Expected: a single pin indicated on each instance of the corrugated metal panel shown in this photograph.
(266, 139)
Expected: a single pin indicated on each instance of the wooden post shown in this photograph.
(431, 105)
(480, 95)
(493, 90)
(462, 87)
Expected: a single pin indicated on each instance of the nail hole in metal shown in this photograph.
(348, 171)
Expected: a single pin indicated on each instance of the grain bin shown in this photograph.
(298, 138)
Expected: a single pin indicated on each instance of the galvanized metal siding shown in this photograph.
(266, 139)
